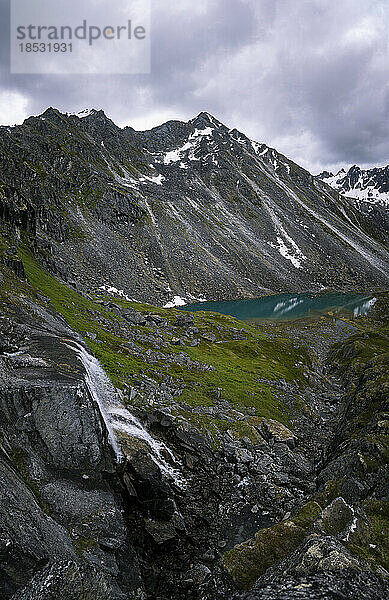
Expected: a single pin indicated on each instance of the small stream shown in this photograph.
(117, 418)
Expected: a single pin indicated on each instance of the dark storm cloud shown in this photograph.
(309, 77)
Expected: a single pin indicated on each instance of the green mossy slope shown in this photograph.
(241, 369)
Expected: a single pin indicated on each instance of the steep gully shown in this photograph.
(341, 479)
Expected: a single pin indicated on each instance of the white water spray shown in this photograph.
(117, 417)
(364, 308)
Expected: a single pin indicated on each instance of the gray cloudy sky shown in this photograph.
(308, 77)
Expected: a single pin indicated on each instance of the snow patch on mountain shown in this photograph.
(113, 291)
(285, 245)
(190, 146)
(157, 179)
(367, 185)
(86, 112)
(177, 301)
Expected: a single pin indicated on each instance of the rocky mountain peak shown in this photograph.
(205, 119)
(96, 118)
(86, 112)
(50, 114)
(353, 175)
(325, 175)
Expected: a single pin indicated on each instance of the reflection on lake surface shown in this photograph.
(289, 306)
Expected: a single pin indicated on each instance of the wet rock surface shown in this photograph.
(57, 501)
(71, 580)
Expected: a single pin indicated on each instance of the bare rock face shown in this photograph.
(59, 413)
(92, 514)
(325, 585)
(278, 431)
(57, 506)
(29, 536)
(335, 517)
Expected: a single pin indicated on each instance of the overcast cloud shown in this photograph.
(308, 77)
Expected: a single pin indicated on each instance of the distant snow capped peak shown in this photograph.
(367, 185)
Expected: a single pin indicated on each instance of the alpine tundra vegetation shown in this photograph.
(149, 452)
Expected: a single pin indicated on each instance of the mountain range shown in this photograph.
(191, 210)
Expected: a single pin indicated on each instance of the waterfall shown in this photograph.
(117, 417)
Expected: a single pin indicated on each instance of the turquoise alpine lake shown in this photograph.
(284, 307)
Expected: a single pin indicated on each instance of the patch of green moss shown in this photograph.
(365, 417)
(12, 286)
(238, 370)
(76, 309)
(82, 544)
(120, 365)
(370, 540)
(249, 366)
(37, 168)
(214, 429)
(307, 515)
(3, 245)
(248, 561)
(331, 490)
(369, 347)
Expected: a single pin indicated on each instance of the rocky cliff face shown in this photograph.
(188, 209)
(58, 500)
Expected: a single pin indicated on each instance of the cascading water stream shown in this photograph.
(117, 417)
